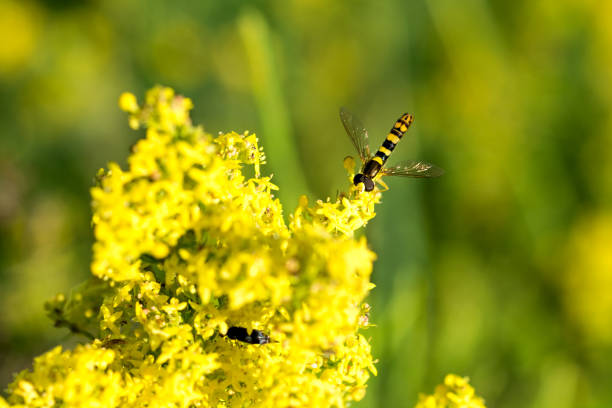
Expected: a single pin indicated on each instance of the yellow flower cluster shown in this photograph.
(456, 392)
(189, 242)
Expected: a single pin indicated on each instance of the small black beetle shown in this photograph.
(242, 334)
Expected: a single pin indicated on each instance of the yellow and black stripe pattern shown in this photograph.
(395, 134)
(373, 165)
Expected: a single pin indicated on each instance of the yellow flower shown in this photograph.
(187, 246)
(456, 392)
(128, 103)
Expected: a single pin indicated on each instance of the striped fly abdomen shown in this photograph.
(395, 135)
(373, 166)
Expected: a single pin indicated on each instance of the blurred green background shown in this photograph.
(501, 270)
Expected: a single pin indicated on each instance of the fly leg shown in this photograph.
(383, 185)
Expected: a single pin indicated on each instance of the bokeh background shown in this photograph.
(501, 270)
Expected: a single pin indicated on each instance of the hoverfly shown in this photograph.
(373, 165)
(242, 334)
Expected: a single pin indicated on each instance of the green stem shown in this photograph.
(278, 140)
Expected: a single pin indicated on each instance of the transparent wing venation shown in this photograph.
(411, 168)
(356, 132)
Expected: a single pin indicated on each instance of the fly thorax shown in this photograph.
(371, 168)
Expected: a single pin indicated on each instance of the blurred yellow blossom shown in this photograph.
(456, 392)
(587, 281)
(19, 32)
(128, 103)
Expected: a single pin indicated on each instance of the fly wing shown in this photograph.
(411, 168)
(357, 133)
